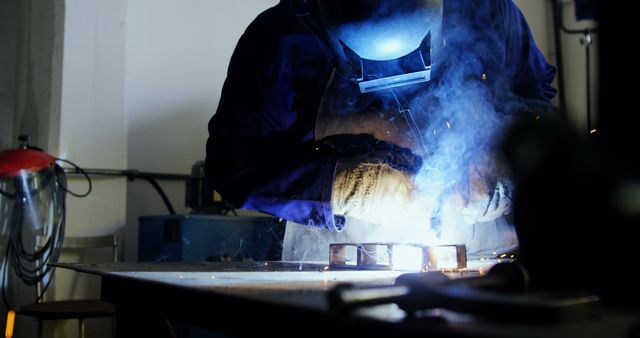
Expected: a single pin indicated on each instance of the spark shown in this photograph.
(448, 124)
(593, 131)
(503, 255)
(11, 318)
(538, 117)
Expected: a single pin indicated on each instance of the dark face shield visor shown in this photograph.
(382, 44)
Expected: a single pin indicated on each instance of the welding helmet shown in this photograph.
(381, 43)
(32, 211)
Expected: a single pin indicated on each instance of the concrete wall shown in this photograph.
(38, 71)
(30, 64)
(8, 50)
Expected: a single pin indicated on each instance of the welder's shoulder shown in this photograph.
(504, 9)
(481, 9)
(273, 24)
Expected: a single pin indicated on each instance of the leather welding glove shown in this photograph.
(488, 198)
(372, 192)
(365, 148)
(374, 179)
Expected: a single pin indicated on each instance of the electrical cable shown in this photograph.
(4, 268)
(7, 195)
(83, 173)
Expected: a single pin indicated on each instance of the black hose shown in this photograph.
(7, 195)
(160, 191)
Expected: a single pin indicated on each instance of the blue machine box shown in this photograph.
(209, 238)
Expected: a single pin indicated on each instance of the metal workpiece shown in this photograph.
(397, 256)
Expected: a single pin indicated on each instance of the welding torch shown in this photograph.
(501, 294)
(433, 289)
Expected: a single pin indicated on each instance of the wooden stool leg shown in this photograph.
(40, 329)
(81, 328)
(113, 327)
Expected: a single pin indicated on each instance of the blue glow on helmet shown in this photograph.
(386, 39)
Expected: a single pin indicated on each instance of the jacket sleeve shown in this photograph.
(531, 76)
(260, 151)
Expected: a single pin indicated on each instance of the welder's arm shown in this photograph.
(531, 75)
(260, 153)
(374, 178)
(277, 176)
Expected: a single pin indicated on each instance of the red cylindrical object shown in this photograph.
(14, 161)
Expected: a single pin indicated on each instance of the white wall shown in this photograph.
(92, 133)
(177, 58)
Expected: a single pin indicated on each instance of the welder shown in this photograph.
(373, 120)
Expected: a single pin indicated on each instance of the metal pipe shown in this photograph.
(587, 42)
(129, 173)
(132, 174)
(559, 59)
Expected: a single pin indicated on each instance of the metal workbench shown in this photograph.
(290, 299)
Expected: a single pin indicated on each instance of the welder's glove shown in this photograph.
(377, 193)
(365, 148)
(488, 198)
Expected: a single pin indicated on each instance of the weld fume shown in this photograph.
(459, 116)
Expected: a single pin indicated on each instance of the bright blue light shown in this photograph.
(390, 46)
(388, 39)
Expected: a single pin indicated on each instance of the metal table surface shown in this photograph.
(238, 298)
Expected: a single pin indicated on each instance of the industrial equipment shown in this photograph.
(209, 238)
